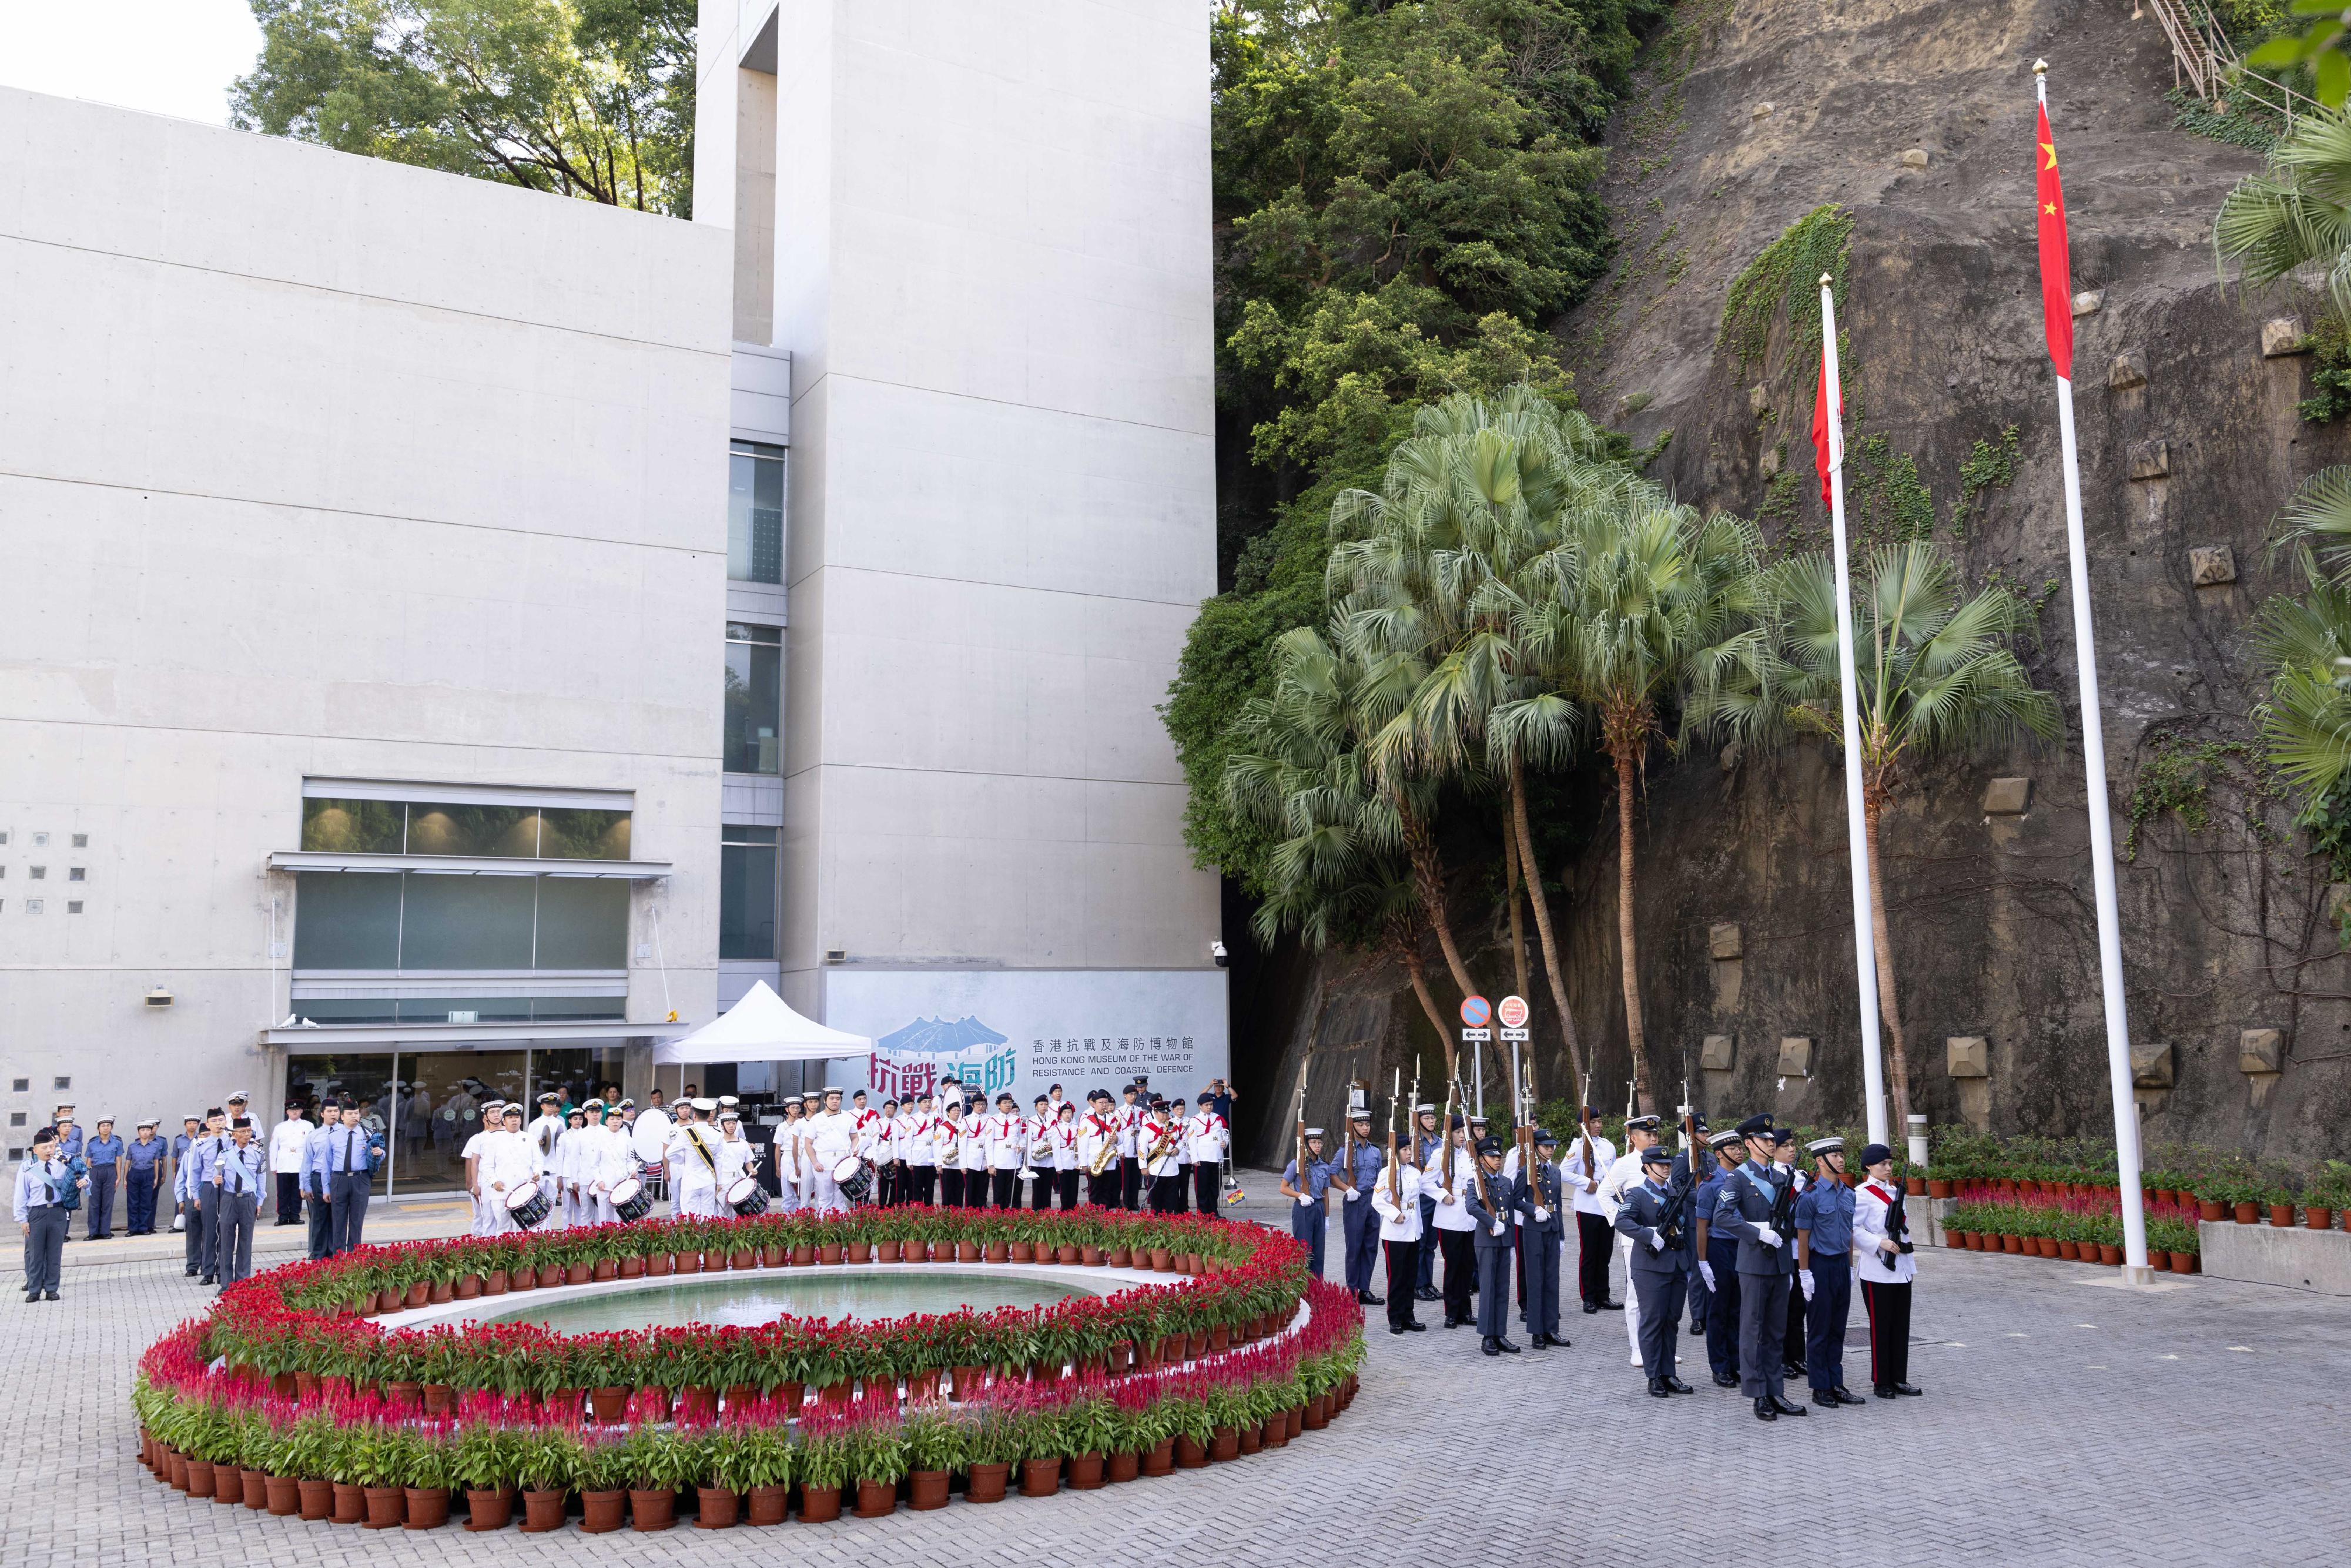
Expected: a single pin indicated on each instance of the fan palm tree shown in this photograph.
(1642, 606)
(1933, 676)
(2306, 644)
(2297, 209)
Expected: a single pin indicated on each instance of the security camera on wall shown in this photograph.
(1217, 950)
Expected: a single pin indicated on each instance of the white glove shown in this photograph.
(1804, 1278)
(1304, 1201)
(1706, 1272)
(1657, 1242)
(1351, 1194)
(1766, 1235)
(1542, 1217)
(1498, 1227)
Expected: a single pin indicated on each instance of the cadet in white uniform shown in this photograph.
(1881, 1234)
(737, 1155)
(1395, 1199)
(484, 1222)
(692, 1160)
(510, 1162)
(547, 1133)
(829, 1137)
(919, 1147)
(1455, 1227)
(601, 1164)
(1589, 1157)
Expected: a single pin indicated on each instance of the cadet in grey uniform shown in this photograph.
(1488, 1198)
(1543, 1239)
(1310, 1221)
(238, 1176)
(1757, 1207)
(1652, 1217)
(43, 1183)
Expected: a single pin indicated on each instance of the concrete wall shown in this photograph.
(312, 463)
(992, 269)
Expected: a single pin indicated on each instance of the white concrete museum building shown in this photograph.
(458, 637)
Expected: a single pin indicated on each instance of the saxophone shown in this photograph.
(1109, 1150)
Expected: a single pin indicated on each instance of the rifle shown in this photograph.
(1584, 1131)
(1396, 1174)
(1444, 1135)
(1303, 1183)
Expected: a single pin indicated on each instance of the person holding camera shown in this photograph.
(1881, 1234)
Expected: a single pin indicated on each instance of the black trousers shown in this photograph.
(1044, 1182)
(1460, 1247)
(1107, 1190)
(1792, 1344)
(922, 1184)
(322, 1220)
(100, 1200)
(1068, 1182)
(1166, 1195)
(1593, 1242)
(1005, 1189)
(289, 1197)
(1403, 1267)
(1130, 1178)
(1662, 1297)
(139, 1197)
(350, 1191)
(1184, 1177)
(951, 1186)
(1763, 1332)
(1889, 1332)
(1205, 1190)
(975, 1186)
(45, 1248)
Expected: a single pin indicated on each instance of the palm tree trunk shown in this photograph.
(1897, 1064)
(1410, 952)
(1518, 943)
(1643, 1081)
(1429, 877)
(1541, 905)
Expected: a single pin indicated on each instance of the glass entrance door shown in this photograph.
(442, 1100)
(310, 1078)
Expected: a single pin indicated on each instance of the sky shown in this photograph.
(169, 57)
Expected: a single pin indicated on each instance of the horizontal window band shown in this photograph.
(431, 794)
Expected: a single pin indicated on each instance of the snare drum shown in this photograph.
(630, 1199)
(855, 1177)
(527, 1205)
(745, 1196)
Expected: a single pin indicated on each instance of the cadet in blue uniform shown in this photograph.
(318, 1208)
(1718, 1265)
(352, 1152)
(43, 1184)
(1653, 1217)
(183, 1150)
(1488, 1197)
(239, 1174)
(1359, 1229)
(1792, 1344)
(143, 1158)
(1310, 1218)
(1753, 1208)
(1824, 1270)
(1543, 1239)
(104, 1153)
(203, 1198)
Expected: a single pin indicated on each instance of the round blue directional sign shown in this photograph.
(1475, 1013)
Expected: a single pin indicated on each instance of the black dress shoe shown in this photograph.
(1787, 1407)
(1426, 1295)
(1675, 1384)
(1507, 1348)
(1612, 1306)
(1791, 1373)
(1592, 1306)
(1826, 1399)
(50, 1297)
(1883, 1392)
(1908, 1392)
(1764, 1412)
(191, 1273)
(1847, 1396)
(1369, 1300)
(1726, 1380)
(1395, 1328)
(208, 1280)
(1414, 1325)
(1490, 1347)
(1658, 1389)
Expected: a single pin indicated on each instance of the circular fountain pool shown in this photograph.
(837, 1293)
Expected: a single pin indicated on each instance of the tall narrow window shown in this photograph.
(755, 698)
(755, 513)
(746, 892)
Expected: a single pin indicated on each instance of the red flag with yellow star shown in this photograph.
(2057, 269)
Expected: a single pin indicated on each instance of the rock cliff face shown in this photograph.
(1915, 118)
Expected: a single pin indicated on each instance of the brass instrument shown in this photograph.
(1109, 1150)
(1159, 1150)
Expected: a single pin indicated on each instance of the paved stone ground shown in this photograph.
(2066, 1421)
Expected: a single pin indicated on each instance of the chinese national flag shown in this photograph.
(1828, 427)
(2056, 270)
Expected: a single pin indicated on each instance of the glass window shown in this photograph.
(465, 922)
(755, 698)
(574, 834)
(434, 830)
(746, 892)
(754, 514)
(565, 1009)
(583, 923)
(442, 1107)
(576, 1074)
(353, 827)
(486, 1010)
(346, 920)
(308, 1078)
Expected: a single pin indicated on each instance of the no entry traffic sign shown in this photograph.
(1512, 1012)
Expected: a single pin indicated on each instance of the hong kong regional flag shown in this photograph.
(2056, 271)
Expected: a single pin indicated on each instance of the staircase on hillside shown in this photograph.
(2203, 61)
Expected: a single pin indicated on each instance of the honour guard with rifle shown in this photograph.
(1792, 1347)
(1426, 1140)
(1543, 1236)
(1652, 1221)
(1589, 1157)
(1757, 1207)
(1451, 1170)
(1395, 1199)
(1881, 1232)
(1359, 1162)
(1488, 1198)
(1718, 1265)
(1640, 1134)
(1824, 1230)
(1306, 1181)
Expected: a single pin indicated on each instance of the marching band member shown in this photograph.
(828, 1137)
(1065, 1155)
(1395, 1199)
(1098, 1153)
(783, 1149)
(880, 1144)
(484, 1224)
(509, 1161)
(977, 1152)
(1640, 1133)
(1037, 1136)
(1205, 1138)
(1161, 1139)
(1007, 1151)
(1650, 1220)
(1881, 1233)
(601, 1162)
(737, 1155)
(546, 1132)
(692, 1158)
(568, 1207)
(1131, 1117)
(950, 1139)
(919, 1166)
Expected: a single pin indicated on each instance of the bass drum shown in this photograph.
(527, 1205)
(855, 1177)
(747, 1197)
(630, 1199)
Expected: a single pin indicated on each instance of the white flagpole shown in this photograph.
(1856, 832)
(2101, 835)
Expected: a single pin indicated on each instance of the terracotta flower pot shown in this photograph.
(1160, 1260)
(2069, 1251)
(830, 1253)
(1915, 1186)
(1252, 1437)
(656, 1509)
(1317, 1413)
(1221, 1339)
(388, 1301)
(1198, 1347)
(438, 1398)
(495, 1283)
(2109, 1254)
(1090, 1255)
(252, 1488)
(2249, 1213)
(875, 1499)
(350, 1504)
(550, 1275)
(744, 1258)
(606, 1268)
(608, 1404)
(741, 1395)
(688, 1263)
(715, 1508)
(468, 1287)
(1022, 1252)
(2011, 1243)
(442, 1290)
(1119, 1257)
(2186, 1263)
(766, 1504)
(695, 1402)
(1225, 1444)
(1124, 1466)
(929, 1488)
(386, 1507)
(407, 1397)
(804, 1253)
(1937, 1188)
(820, 1505)
(631, 1267)
(1161, 1460)
(997, 1251)
(428, 1508)
(523, 1280)
(318, 1498)
(660, 1264)
(2318, 1218)
(604, 1512)
(418, 1294)
(1085, 1472)
(2282, 1214)
(984, 1483)
(543, 1510)
(1041, 1478)
(200, 1478)
(2209, 1210)
(967, 1251)
(963, 1382)
(1296, 1422)
(1277, 1430)
(491, 1509)
(1190, 1453)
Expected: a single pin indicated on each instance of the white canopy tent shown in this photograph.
(760, 1028)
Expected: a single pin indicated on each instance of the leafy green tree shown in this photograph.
(1934, 677)
(591, 98)
(2306, 719)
